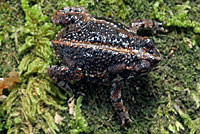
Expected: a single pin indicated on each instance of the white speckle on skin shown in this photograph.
(148, 40)
(87, 54)
(123, 35)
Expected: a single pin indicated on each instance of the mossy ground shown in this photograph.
(166, 100)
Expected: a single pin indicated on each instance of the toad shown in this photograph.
(97, 48)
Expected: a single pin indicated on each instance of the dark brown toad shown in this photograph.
(99, 48)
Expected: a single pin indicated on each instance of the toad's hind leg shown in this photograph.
(63, 75)
(117, 102)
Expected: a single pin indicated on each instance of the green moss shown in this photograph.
(164, 101)
(79, 125)
(177, 15)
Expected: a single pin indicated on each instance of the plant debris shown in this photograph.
(5, 83)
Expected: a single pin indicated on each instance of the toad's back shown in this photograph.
(98, 46)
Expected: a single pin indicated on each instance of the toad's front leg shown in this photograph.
(147, 24)
(117, 102)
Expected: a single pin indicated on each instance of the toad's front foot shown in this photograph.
(117, 102)
(148, 25)
(125, 118)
